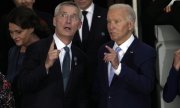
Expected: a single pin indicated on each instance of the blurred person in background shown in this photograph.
(25, 29)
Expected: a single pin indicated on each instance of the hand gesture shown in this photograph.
(53, 54)
(112, 57)
(176, 62)
(168, 9)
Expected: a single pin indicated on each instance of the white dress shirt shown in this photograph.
(172, 1)
(89, 16)
(124, 46)
(60, 46)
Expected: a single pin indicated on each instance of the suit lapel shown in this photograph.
(128, 57)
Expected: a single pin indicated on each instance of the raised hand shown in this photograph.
(112, 57)
(53, 54)
(176, 62)
(168, 9)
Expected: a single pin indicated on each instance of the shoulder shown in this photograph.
(13, 51)
(42, 44)
(143, 49)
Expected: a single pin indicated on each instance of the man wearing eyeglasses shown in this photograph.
(54, 70)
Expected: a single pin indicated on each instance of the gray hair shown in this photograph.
(131, 14)
(67, 3)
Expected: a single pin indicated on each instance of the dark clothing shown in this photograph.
(97, 36)
(45, 90)
(133, 86)
(155, 15)
(5, 39)
(172, 86)
(15, 62)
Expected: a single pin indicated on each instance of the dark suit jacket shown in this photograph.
(132, 88)
(172, 86)
(98, 36)
(42, 90)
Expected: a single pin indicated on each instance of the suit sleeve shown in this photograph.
(171, 87)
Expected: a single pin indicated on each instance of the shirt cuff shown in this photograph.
(118, 70)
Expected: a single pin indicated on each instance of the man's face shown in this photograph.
(26, 3)
(83, 4)
(67, 22)
(119, 26)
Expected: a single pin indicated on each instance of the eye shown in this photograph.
(116, 21)
(64, 15)
(74, 17)
(18, 31)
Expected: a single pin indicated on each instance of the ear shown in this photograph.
(131, 25)
(32, 30)
(80, 24)
(54, 21)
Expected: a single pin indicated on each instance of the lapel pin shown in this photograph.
(102, 34)
(75, 61)
(99, 16)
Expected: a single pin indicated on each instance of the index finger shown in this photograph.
(52, 46)
(111, 50)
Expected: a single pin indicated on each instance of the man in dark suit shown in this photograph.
(126, 66)
(97, 33)
(45, 81)
(172, 86)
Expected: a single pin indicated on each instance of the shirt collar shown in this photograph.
(124, 46)
(60, 45)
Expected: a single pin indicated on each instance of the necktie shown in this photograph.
(66, 67)
(85, 27)
(118, 49)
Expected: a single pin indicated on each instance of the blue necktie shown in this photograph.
(118, 49)
(85, 26)
(66, 67)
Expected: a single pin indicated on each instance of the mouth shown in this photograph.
(67, 28)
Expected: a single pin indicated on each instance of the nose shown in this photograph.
(69, 19)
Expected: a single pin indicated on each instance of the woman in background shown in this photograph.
(25, 29)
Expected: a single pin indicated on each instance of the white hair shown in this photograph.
(130, 12)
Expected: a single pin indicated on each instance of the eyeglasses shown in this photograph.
(66, 16)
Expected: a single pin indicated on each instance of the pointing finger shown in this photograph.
(52, 46)
(109, 49)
